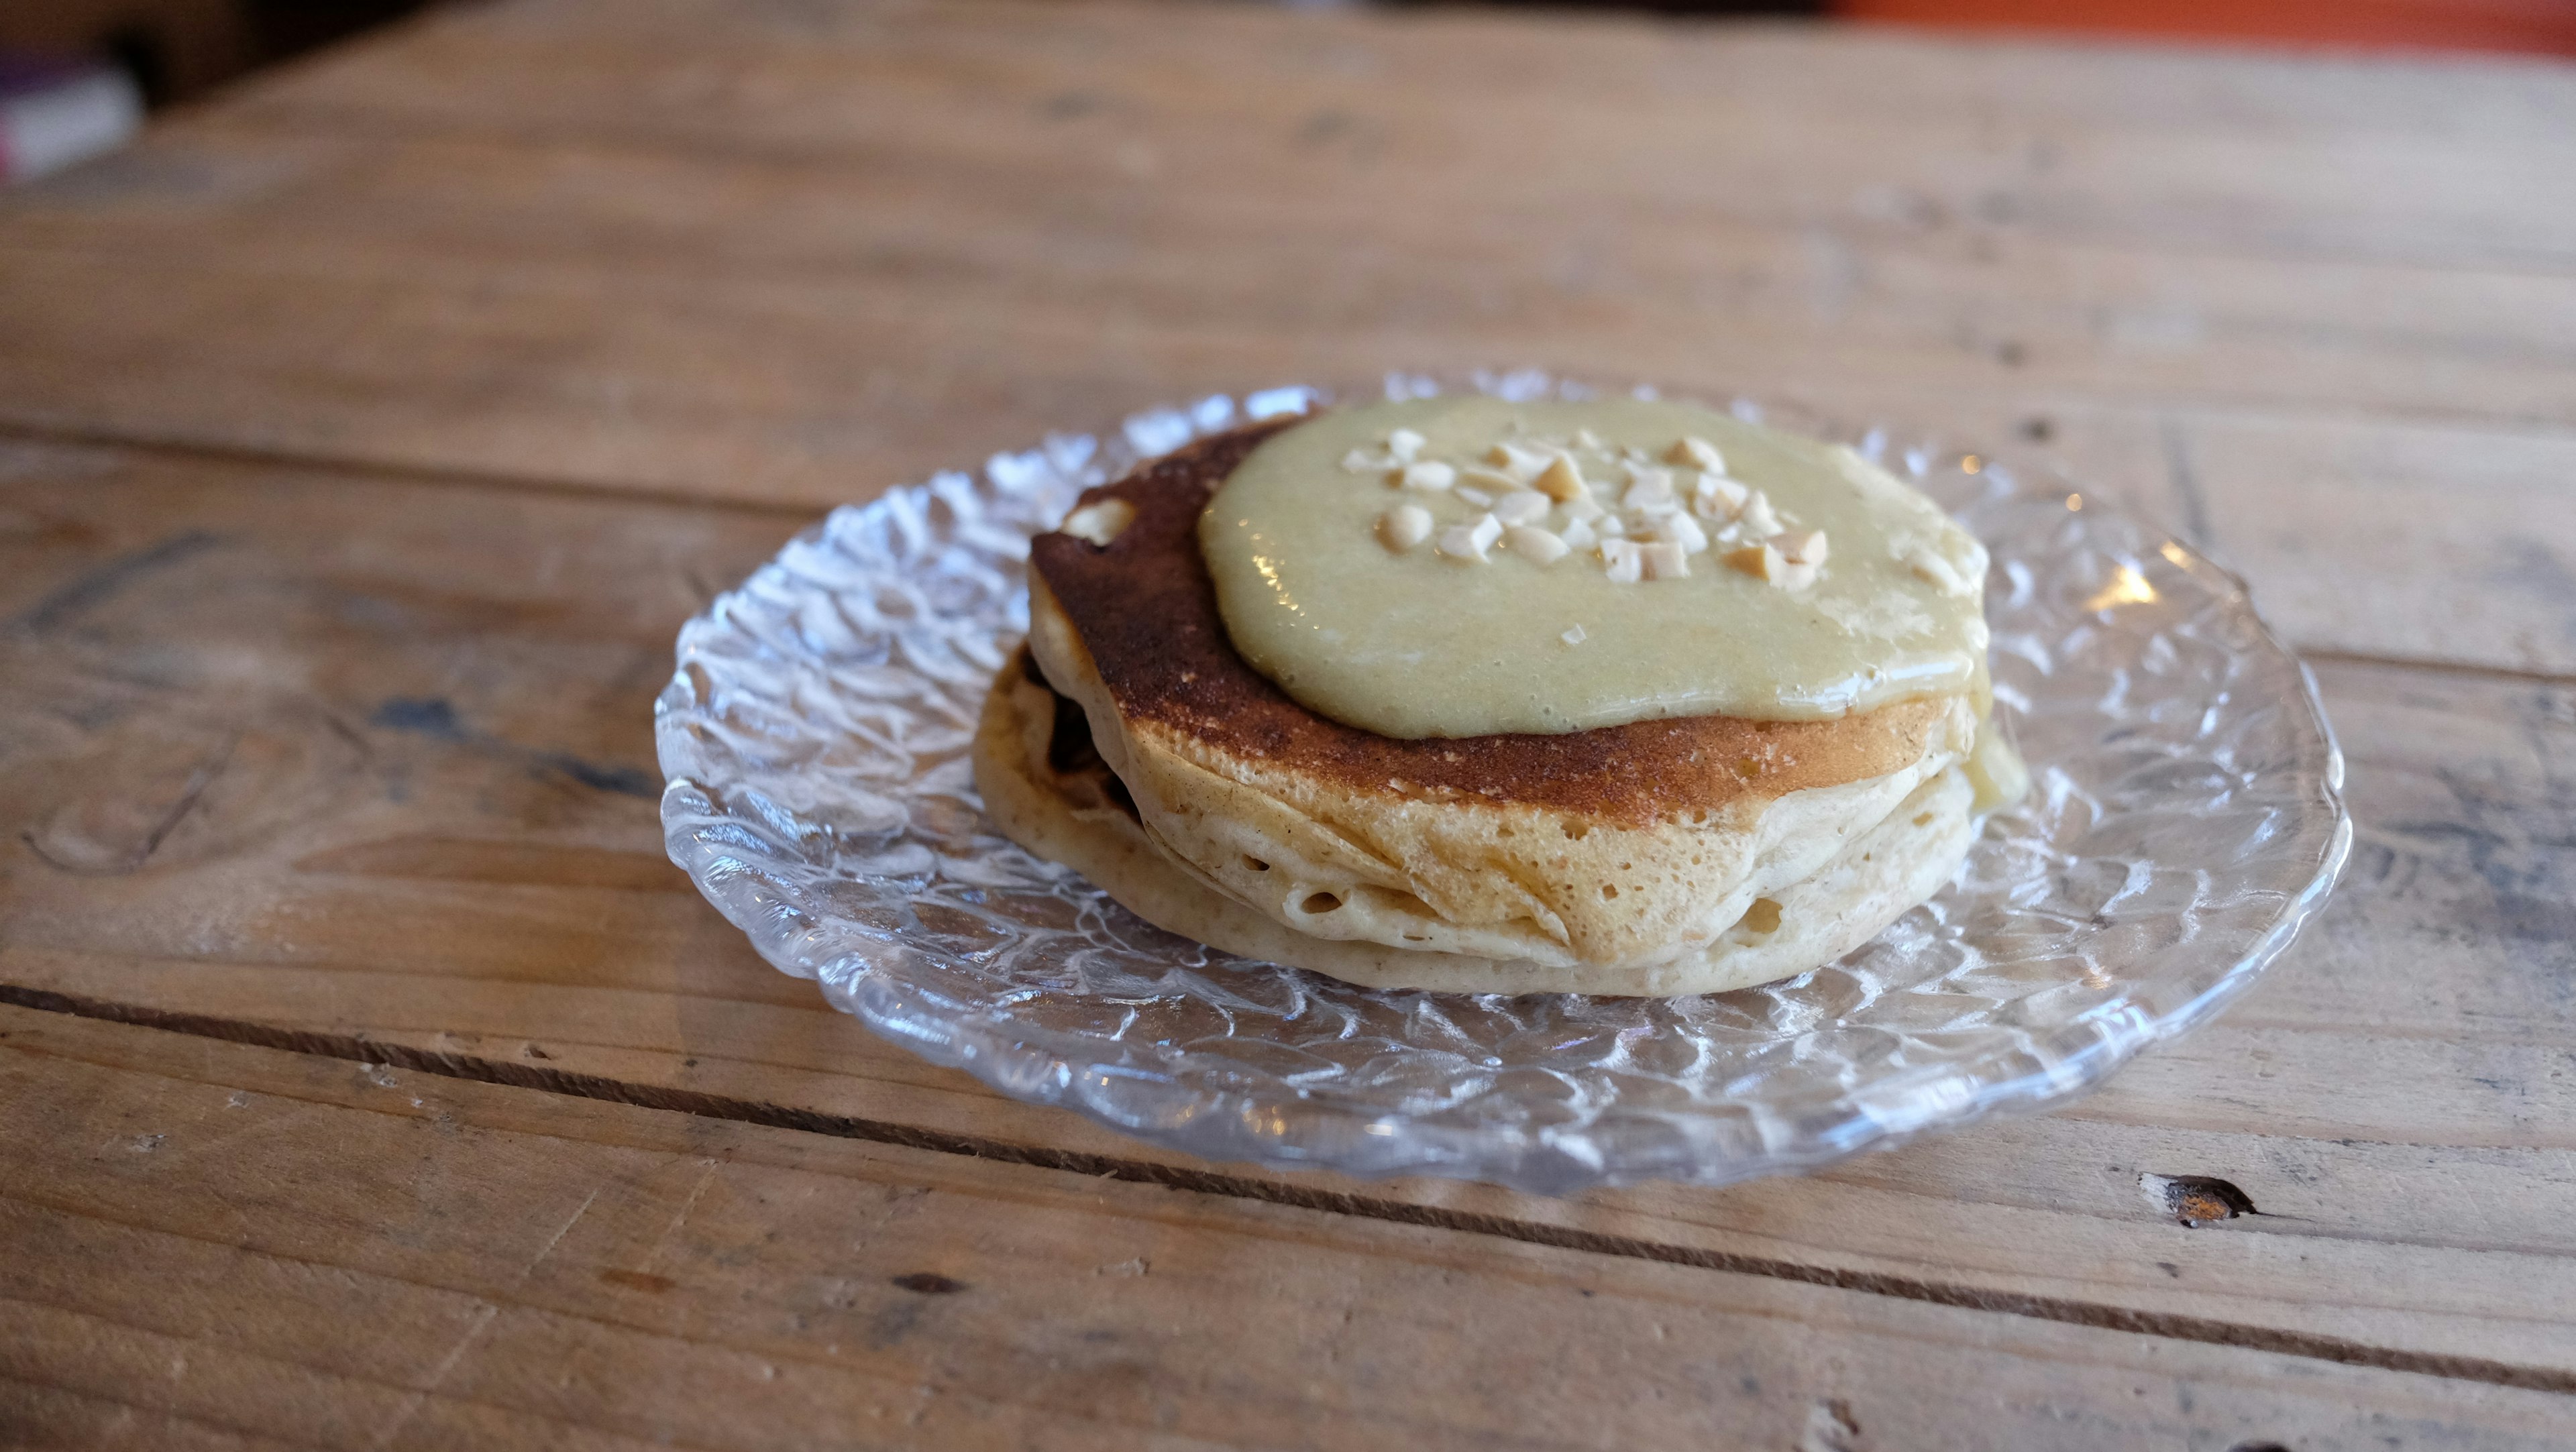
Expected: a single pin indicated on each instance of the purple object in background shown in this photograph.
(55, 112)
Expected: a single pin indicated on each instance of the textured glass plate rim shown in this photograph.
(1182, 1108)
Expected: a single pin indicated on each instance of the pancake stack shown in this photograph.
(1700, 854)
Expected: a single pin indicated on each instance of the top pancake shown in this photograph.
(1146, 611)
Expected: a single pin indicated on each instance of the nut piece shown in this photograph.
(1523, 465)
(1476, 497)
(1587, 439)
(1698, 453)
(1535, 545)
(1573, 637)
(1664, 560)
(1363, 461)
(1760, 561)
(1561, 481)
(1935, 568)
(1521, 506)
(1403, 527)
(1717, 497)
(1101, 522)
(1764, 562)
(1468, 542)
(1650, 490)
(1682, 530)
(1493, 481)
(1584, 507)
(1577, 535)
(1405, 445)
(1429, 474)
(1621, 557)
(1803, 547)
(1760, 521)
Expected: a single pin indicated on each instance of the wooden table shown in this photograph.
(368, 1079)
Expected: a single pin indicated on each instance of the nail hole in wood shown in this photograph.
(2195, 1200)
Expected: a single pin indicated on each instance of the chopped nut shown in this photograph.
(1403, 527)
(1521, 506)
(1760, 521)
(1535, 545)
(1476, 497)
(1584, 507)
(1796, 576)
(1429, 474)
(1760, 561)
(1587, 439)
(1561, 481)
(1649, 490)
(1577, 535)
(1405, 444)
(1624, 564)
(1470, 541)
(1101, 522)
(1609, 524)
(1698, 453)
(1573, 637)
(1717, 497)
(1935, 568)
(1523, 465)
(1664, 560)
(1804, 547)
(1363, 461)
(1491, 480)
(1682, 530)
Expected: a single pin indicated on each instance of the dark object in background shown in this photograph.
(175, 50)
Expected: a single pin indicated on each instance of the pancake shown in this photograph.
(1687, 855)
(1048, 790)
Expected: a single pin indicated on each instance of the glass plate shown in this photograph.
(2187, 818)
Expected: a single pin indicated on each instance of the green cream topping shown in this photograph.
(1466, 632)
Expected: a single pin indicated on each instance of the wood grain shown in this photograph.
(304, 753)
(237, 1213)
(372, 429)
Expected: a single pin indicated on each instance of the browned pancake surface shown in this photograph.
(1147, 612)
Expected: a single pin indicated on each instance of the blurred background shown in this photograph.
(78, 76)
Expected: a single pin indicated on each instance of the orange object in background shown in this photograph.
(2547, 26)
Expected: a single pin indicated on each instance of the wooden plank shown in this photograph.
(2425, 159)
(793, 263)
(369, 761)
(476, 245)
(399, 1260)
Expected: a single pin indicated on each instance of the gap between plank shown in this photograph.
(1243, 1187)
